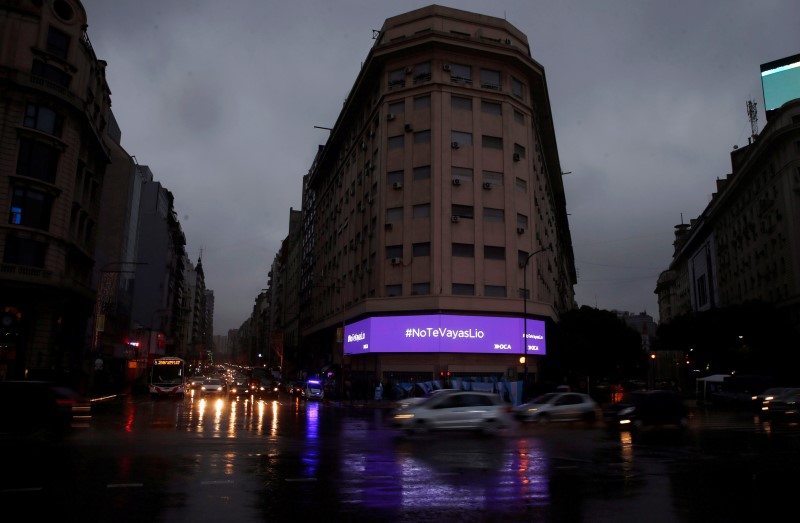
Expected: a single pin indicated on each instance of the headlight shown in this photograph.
(403, 416)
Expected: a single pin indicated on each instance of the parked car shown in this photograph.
(647, 409)
(213, 386)
(40, 411)
(558, 406)
(455, 410)
(785, 407)
(312, 389)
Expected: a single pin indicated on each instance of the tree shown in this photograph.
(594, 343)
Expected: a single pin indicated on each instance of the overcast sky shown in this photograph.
(220, 100)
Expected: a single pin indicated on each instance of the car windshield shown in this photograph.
(544, 398)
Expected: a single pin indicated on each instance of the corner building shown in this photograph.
(437, 205)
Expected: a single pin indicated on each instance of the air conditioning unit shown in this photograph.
(390, 116)
(371, 133)
(409, 128)
(454, 218)
(454, 145)
(397, 185)
(520, 230)
(363, 146)
(396, 261)
(487, 185)
(409, 70)
(456, 181)
(446, 67)
(387, 226)
(516, 157)
(508, 41)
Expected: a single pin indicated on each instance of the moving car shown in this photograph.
(558, 406)
(239, 386)
(455, 410)
(783, 408)
(196, 381)
(40, 411)
(312, 389)
(213, 386)
(647, 409)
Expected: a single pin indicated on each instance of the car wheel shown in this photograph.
(590, 417)
(491, 427)
(543, 419)
(421, 427)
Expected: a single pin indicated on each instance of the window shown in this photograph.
(421, 249)
(462, 173)
(461, 138)
(24, 251)
(422, 72)
(422, 102)
(394, 290)
(492, 252)
(459, 102)
(464, 289)
(492, 142)
(394, 214)
(423, 172)
(490, 79)
(421, 288)
(397, 78)
(37, 160)
(396, 142)
(463, 250)
(51, 73)
(516, 88)
(464, 211)
(495, 291)
(493, 215)
(519, 117)
(394, 251)
(30, 208)
(43, 119)
(521, 185)
(702, 293)
(461, 73)
(493, 177)
(422, 137)
(57, 43)
(520, 150)
(522, 258)
(394, 177)
(422, 210)
(522, 221)
(491, 108)
(397, 107)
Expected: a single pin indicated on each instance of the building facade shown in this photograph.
(54, 107)
(745, 246)
(438, 194)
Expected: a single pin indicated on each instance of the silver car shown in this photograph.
(213, 386)
(455, 410)
(558, 406)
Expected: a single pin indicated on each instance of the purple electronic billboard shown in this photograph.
(444, 333)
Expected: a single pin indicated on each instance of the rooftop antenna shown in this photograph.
(752, 115)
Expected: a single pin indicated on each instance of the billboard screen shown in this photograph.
(780, 80)
(444, 333)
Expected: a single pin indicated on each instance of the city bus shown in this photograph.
(168, 377)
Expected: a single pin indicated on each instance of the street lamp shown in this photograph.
(523, 360)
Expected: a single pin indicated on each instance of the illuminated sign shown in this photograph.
(168, 362)
(780, 81)
(444, 333)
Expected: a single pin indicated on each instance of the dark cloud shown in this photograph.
(220, 99)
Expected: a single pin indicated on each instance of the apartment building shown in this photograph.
(745, 245)
(434, 218)
(54, 107)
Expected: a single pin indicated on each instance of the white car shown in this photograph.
(558, 406)
(312, 390)
(213, 385)
(455, 410)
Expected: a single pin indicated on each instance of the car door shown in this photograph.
(567, 407)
